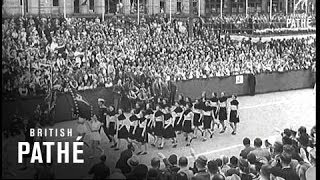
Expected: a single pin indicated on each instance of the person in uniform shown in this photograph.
(82, 129)
(111, 125)
(158, 126)
(149, 115)
(207, 120)
(133, 123)
(95, 136)
(168, 131)
(214, 105)
(187, 124)
(222, 111)
(122, 131)
(181, 100)
(141, 133)
(197, 112)
(177, 112)
(234, 114)
(102, 115)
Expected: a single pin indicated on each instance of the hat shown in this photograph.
(133, 161)
(100, 100)
(202, 160)
(173, 159)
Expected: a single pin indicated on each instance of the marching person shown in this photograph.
(122, 131)
(187, 124)
(133, 123)
(234, 114)
(198, 115)
(111, 125)
(222, 111)
(95, 136)
(168, 131)
(149, 115)
(158, 126)
(207, 120)
(177, 112)
(214, 104)
(82, 129)
(102, 115)
(141, 133)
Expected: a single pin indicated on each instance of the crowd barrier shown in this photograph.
(265, 82)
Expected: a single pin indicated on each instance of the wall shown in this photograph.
(265, 82)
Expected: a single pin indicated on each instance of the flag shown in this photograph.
(82, 108)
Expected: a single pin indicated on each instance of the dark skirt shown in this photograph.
(112, 128)
(158, 130)
(233, 116)
(139, 136)
(169, 132)
(215, 112)
(207, 122)
(177, 127)
(123, 133)
(187, 127)
(223, 114)
(196, 120)
(131, 133)
(149, 128)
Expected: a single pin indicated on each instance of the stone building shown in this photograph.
(98, 7)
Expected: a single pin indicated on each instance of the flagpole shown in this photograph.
(286, 7)
(294, 7)
(64, 9)
(103, 10)
(246, 8)
(199, 1)
(270, 9)
(138, 11)
(170, 11)
(221, 8)
(22, 7)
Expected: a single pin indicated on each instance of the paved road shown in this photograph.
(259, 116)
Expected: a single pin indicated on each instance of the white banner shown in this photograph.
(239, 79)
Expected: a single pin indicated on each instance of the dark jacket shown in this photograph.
(201, 175)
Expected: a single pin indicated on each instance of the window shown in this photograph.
(179, 6)
(55, 3)
(91, 4)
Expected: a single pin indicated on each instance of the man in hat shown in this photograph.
(102, 114)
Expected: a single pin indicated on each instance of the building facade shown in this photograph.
(176, 7)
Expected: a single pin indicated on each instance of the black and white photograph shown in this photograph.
(159, 89)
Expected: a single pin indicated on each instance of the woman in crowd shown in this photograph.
(122, 131)
(234, 114)
(133, 123)
(111, 125)
(149, 114)
(141, 133)
(82, 129)
(214, 104)
(158, 128)
(198, 115)
(187, 124)
(177, 113)
(181, 100)
(207, 120)
(222, 111)
(95, 136)
(168, 131)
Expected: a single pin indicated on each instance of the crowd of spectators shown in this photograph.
(39, 53)
(292, 158)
